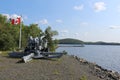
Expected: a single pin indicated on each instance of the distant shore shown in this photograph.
(76, 41)
(71, 46)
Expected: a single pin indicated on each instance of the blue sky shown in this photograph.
(87, 20)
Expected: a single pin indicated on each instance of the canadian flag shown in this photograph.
(16, 20)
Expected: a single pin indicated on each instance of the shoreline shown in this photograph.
(72, 46)
(98, 70)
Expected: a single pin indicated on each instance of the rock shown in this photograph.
(83, 61)
(72, 56)
(77, 58)
(99, 71)
(114, 75)
(102, 76)
(97, 68)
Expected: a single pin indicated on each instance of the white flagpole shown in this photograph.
(20, 33)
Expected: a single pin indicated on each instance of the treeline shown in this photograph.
(101, 43)
(76, 41)
(70, 41)
(9, 34)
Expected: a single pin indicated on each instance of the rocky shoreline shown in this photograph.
(99, 71)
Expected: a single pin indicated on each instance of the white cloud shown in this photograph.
(76, 34)
(114, 27)
(44, 21)
(80, 7)
(83, 24)
(86, 34)
(63, 35)
(99, 6)
(59, 21)
(65, 31)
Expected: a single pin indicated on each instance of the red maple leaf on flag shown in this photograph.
(16, 21)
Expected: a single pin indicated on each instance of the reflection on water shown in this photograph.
(104, 55)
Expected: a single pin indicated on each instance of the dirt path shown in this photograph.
(65, 68)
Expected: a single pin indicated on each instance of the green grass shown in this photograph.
(1, 60)
(56, 72)
(4, 53)
(2, 67)
(83, 78)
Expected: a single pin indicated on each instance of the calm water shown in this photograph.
(106, 56)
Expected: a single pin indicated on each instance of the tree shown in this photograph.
(31, 30)
(49, 33)
(7, 38)
(34, 30)
(3, 19)
(9, 34)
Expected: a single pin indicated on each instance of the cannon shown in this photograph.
(36, 48)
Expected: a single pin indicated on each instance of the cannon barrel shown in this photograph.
(28, 58)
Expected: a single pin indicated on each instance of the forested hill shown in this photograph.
(76, 41)
(101, 43)
(70, 41)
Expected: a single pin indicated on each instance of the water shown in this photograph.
(106, 56)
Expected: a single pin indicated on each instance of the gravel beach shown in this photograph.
(64, 68)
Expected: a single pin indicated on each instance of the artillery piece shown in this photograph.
(36, 48)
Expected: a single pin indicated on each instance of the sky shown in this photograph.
(86, 20)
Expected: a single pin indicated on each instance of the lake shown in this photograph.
(107, 56)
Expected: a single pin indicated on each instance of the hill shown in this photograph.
(101, 43)
(76, 41)
(70, 41)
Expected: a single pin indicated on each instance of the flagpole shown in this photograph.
(20, 34)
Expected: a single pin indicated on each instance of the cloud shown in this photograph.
(99, 6)
(64, 31)
(80, 7)
(63, 35)
(59, 21)
(86, 34)
(84, 24)
(114, 27)
(44, 21)
(76, 34)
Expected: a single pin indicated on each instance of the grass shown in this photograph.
(56, 72)
(4, 53)
(1, 60)
(2, 67)
(83, 78)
